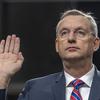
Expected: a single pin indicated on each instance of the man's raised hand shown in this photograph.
(11, 59)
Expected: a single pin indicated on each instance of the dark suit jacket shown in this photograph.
(52, 87)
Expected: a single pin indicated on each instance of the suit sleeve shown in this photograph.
(24, 95)
(2, 94)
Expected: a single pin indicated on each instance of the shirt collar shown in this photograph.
(87, 78)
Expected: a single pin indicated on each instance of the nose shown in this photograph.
(71, 37)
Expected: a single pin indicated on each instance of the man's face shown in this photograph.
(71, 42)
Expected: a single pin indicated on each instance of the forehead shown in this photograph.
(74, 22)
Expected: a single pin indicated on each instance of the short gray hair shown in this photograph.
(75, 12)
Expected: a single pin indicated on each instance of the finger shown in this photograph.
(2, 46)
(20, 56)
(20, 59)
(6, 49)
(17, 45)
(12, 43)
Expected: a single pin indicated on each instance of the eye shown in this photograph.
(80, 32)
(63, 33)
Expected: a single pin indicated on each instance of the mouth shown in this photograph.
(72, 48)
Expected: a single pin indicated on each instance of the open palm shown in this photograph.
(10, 58)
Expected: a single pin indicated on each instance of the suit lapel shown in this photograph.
(59, 87)
(95, 89)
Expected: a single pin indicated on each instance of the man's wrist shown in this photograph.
(4, 82)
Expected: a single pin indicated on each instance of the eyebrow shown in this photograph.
(63, 29)
(78, 28)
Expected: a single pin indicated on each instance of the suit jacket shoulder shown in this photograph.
(95, 87)
(39, 87)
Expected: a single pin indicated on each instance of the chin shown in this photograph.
(73, 57)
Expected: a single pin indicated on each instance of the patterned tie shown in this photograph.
(75, 95)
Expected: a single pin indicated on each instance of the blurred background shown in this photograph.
(34, 21)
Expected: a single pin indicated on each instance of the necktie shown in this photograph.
(75, 95)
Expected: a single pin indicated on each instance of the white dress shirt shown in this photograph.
(84, 90)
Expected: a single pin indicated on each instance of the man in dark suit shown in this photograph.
(76, 41)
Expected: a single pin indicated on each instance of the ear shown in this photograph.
(96, 44)
(56, 44)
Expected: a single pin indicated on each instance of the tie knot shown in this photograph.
(77, 83)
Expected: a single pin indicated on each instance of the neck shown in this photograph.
(77, 68)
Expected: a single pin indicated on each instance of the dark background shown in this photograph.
(35, 22)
